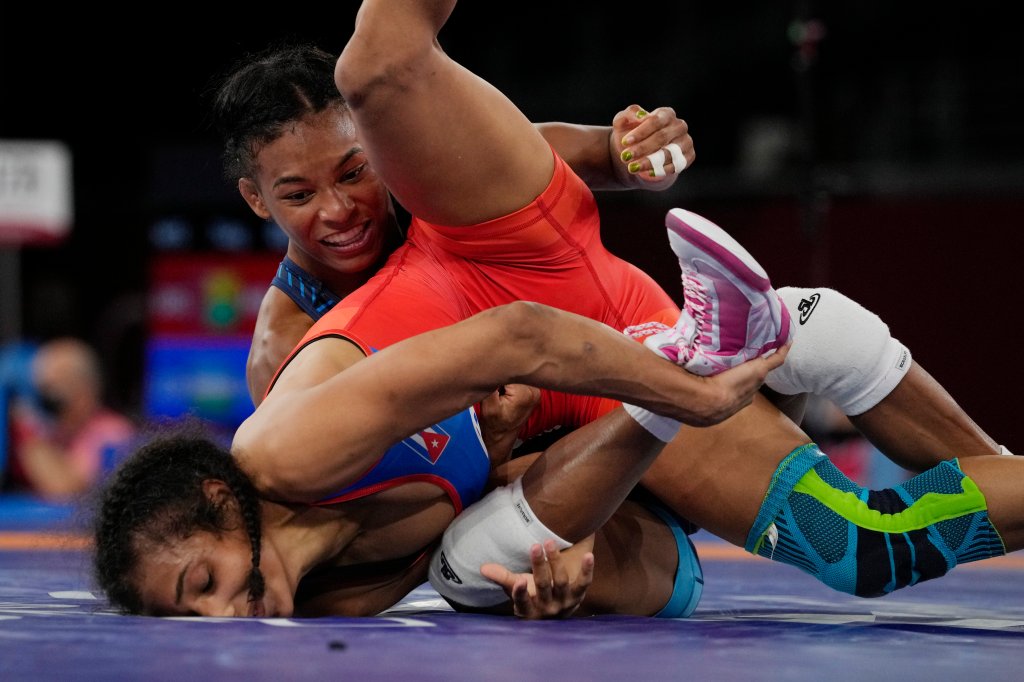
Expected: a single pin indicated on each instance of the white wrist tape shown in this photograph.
(500, 528)
(662, 428)
(841, 351)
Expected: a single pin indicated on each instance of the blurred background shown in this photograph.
(874, 147)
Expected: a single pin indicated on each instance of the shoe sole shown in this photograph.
(697, 231)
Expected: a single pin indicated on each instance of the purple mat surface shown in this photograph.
(757, 621)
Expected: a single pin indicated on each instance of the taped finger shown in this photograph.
(678, 158)
(657, 160)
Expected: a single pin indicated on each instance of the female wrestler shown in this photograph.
(291, 146)
(180, 516)
(183, 571)
(293, 150)
(536, 192)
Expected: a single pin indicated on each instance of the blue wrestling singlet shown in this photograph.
(689, 581)
(450, 454)
(309, 293)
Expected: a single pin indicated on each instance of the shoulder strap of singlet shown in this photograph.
(308, 292)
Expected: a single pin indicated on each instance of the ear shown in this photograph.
(251, 193)
(218, 492)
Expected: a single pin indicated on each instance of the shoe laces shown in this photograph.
(696, 304)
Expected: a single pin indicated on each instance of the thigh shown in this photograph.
(450, 146)
(717, 476)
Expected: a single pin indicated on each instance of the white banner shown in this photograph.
(36, 204)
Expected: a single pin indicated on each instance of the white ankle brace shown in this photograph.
(841, 351)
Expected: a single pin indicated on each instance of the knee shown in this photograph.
(372, 66)
(843, 351)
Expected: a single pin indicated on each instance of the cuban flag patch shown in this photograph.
(429, 443)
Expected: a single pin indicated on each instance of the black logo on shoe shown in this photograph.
(807, 306)
(447, 572)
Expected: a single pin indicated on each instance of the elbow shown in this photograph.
(525, 321)
(269, 474)
(281, 483)
(524, 328)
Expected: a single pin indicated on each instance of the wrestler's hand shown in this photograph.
(636, 134)
(727, 393)
(502, 414)
(557, 585)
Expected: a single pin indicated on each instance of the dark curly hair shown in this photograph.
(263, 94)
(156, 498)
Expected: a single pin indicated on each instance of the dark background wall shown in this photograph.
(884, 158)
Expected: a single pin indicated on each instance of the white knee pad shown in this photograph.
(500, 528)
(841, 351)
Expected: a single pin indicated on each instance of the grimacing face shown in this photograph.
(207, 574)
(316, 184)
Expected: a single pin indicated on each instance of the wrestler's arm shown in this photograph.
(595, 153)
(280, 325)
(330, 417)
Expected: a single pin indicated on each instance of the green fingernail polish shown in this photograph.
(641, 113)
(627, 140)
(634, 167)
(626, 155)
(652, 174)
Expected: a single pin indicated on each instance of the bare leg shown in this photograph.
(1001, 480)
(582, 478)
(717, 476)
(919, 424)
(452, 148)
(845, 354)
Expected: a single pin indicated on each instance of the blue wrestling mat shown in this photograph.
(757, 621)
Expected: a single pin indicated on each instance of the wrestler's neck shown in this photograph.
(307, 536)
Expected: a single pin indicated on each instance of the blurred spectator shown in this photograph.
(66, 438)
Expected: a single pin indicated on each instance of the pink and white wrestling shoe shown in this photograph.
(731, 313)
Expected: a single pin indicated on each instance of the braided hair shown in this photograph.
(263, 96)
(156, 498)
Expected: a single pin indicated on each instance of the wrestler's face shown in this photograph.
(315, 183)
(208, 574)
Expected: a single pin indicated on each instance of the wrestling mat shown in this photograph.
(758, 620)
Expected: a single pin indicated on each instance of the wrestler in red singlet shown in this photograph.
(549, 252)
